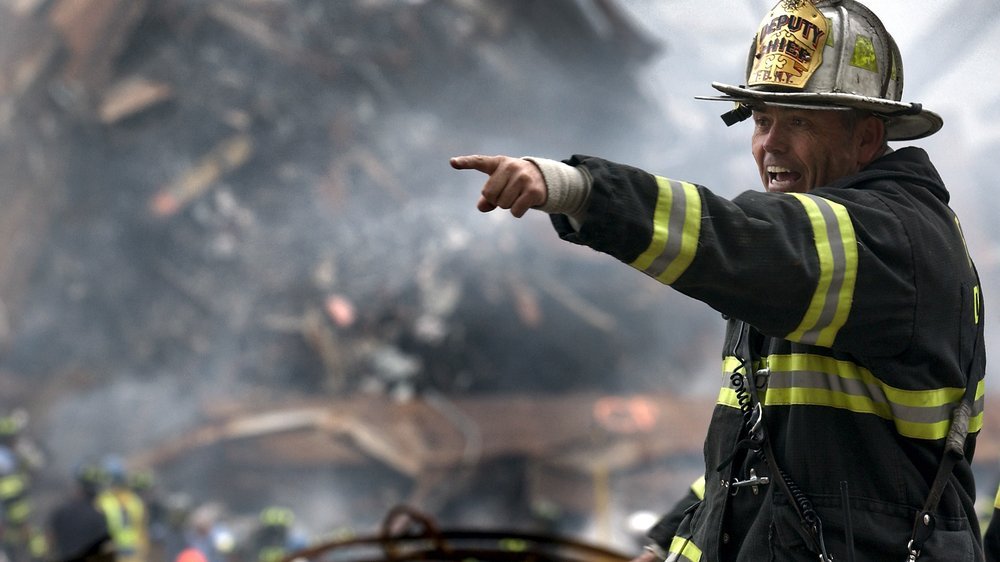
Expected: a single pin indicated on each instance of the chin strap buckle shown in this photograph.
(741, 112)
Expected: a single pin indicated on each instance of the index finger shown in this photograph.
(485, 164)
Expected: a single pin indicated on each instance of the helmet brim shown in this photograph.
(903, 121)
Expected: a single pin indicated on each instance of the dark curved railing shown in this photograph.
(407, 535)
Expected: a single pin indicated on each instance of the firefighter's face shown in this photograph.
(798, 150)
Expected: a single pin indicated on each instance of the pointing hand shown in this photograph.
(513, 183)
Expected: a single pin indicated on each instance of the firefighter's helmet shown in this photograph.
(827, 54)
(141, 480)
(275, 516)
(90, 476)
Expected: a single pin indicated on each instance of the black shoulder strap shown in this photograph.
(954, 451)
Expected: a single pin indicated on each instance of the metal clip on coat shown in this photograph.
(754, 482)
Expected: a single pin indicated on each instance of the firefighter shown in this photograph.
(143, 482)
(208, 532)
(275, 536)
(667, 525)
(20, 538)
(853, 359)
(125, 513)
(79, 530)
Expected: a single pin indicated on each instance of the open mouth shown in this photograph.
(779, 176)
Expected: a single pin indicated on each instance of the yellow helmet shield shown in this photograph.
(789, 45)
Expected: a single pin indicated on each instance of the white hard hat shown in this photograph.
(828, 54)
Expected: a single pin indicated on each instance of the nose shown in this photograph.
(775, 139)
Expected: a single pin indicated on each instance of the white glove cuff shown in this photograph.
(568, 187)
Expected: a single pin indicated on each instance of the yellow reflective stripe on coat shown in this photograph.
(676, 227)
(12, 486)
(816, 380)
(271, 554)
(996, 500)
(683, 550)
(837, 249)
(698, 487)
(38, 545)
(16, 513)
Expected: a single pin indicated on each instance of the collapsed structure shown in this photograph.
(233, 254)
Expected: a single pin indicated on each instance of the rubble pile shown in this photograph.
(219, 206)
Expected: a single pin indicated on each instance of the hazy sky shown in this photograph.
(949, 65)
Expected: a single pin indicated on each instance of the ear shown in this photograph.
(870, 136)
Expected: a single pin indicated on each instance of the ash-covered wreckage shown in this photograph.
(234, 254)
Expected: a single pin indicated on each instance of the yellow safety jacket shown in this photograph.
(867, 317)
(126, 515)
(20, 537)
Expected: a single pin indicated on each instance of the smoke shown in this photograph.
(335, 252)
(158, 303)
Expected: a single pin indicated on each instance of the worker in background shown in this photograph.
(144, 483)
(20, 539)
(125, 513)
(854, 355)
(177, 507)
(78, 530)
(667, 525)
(275, 536)
(208, 533)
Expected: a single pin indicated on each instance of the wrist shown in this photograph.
(567, 187)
